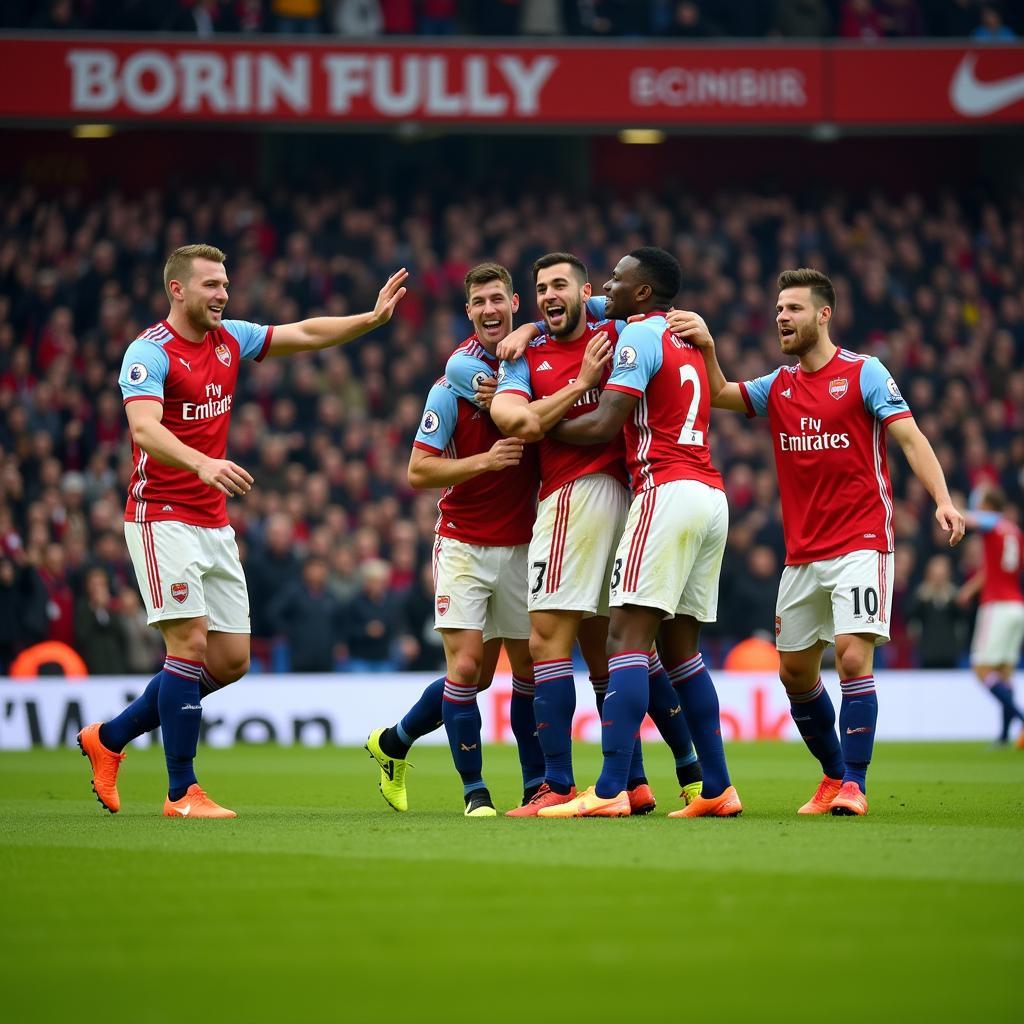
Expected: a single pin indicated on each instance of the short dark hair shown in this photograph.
(659, 269)
(551, 259)
(484, 273)
(822, 291)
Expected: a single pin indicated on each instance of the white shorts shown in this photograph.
(848, 594)
(573, 545)
(670, 555)
(189, 572)
(998, 633)
(481, 587)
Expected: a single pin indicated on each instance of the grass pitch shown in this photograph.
(320, 903)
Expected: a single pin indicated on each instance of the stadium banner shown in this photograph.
(89, 78)
(342, 709)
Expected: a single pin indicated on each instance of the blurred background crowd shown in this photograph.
(866, 20)
(335, 544)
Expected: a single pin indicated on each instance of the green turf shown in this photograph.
(320, 903)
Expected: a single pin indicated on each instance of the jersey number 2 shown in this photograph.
(689, 436)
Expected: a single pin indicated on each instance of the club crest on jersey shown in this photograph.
(179, 591)
(223, 353)
(443, 603)
(837, 387)
(778, 626)
(627, 358)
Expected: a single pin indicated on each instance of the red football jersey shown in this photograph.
(495, 509)
(1002, 545)
(546, 367)
(667, 435)
(828, 431)
(196, 384)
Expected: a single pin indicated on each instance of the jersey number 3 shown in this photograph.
(689, 436)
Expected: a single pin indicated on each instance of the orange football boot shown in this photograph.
(641, 799)
(544, 797)
(725, 805)
(195, 804)
(849, 801)
(589, 805)
(1020, 740)
(821, 802)
(105, 764)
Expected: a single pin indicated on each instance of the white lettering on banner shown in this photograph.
(711, 87)
(342, 709)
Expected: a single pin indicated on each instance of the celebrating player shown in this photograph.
(484, 524)
(999, 629)
(178, 382)
(829, 415)
(579, 520)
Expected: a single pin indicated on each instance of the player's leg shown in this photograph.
(994, 651)
(667, 714)
(522, 717)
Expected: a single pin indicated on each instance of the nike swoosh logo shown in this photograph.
(972, 98)
(184, 811)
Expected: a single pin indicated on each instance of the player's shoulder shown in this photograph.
(157, 335)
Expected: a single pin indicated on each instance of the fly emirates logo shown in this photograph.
(208, 410)
(811, 438)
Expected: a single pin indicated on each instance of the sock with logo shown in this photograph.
(141, 716)
(554, 704)
(815, 717)
(462, 722)
(180, 718)
(858, 714)
(667, 714)
(423, 717)
(524, 728)
(699, 701)
(625, 705)
(998, 687)
(637, 776)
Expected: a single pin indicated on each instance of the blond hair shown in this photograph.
(179, 264)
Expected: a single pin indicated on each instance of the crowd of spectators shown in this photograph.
(335, 544)
(866, 20)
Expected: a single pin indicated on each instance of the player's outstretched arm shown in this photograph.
(428, 471)
(149, 433)
(326, 331)
(614, 408)
(921, 459)
(690, 326)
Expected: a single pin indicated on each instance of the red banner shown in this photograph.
(88, 79)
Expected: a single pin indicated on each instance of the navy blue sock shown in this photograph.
(423, 717)
(625, 705)
(637, 774)
(998, 687)
(667, 714)
(462, 722)
(815, 717)
(180, 718)
(858, 714)
(524, 728)
(141, 716)
(554, 704)
(699, 701)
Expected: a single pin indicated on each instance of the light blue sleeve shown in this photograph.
(515, 376)
(143, 370)
(881, 396)
(638, 356)
(440, 415)
(757, 391)
(250, 337)
(463, 372)
(595, 306)
(985, 520)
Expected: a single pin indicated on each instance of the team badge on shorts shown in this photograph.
(778, 626)
(179, 591)
(443, 603)
(223, 353)
(837, 387)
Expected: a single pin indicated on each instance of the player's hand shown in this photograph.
(225, 476)
(684, 323)
(485, 390)
(513, 345)
(595, 358)
(505, 453)
(952, 521)
(389, 296)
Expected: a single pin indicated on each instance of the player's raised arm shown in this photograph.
(326, 331)
(686, 324)
(921, 459)
(428, 470)
(149, 433)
